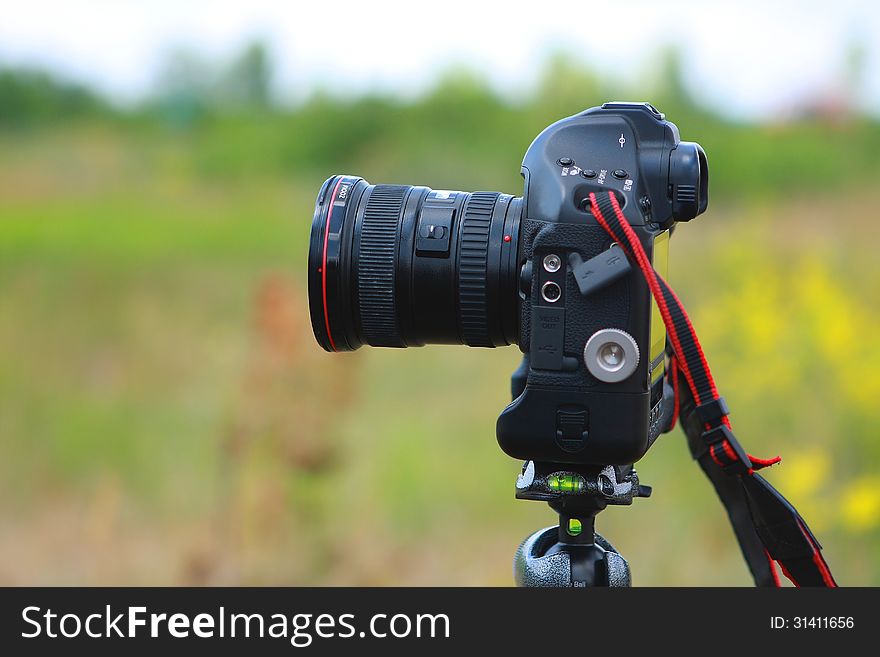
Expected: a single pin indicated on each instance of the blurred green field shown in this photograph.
(166, 418)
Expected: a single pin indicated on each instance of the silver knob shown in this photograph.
(552, 262)
(611, 355)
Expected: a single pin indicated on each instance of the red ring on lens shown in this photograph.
(324, 264)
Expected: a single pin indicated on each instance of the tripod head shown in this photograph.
(572, 553)
(546, 558)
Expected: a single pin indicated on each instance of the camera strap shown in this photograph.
(768, 528)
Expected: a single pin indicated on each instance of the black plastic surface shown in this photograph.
(599, 271)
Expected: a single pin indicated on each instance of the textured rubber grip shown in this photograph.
(376, 265)
(472, 274)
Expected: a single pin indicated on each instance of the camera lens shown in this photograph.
(403, 266)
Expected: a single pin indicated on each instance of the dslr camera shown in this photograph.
(568, 272)
(405, 266)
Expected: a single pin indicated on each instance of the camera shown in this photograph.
(405, 266)
(569, 272)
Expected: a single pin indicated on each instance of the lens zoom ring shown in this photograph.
(378, 246)
(473, 259)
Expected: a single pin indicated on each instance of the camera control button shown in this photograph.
(611, 355)
(565, 161)
(432, 238)
(589, 173)
(432, 231)
(620, 174)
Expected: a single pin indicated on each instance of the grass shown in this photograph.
(165, 416)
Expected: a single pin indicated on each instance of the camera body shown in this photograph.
(591, 387)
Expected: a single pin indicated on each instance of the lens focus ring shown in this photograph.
(379, 236)
(474, 256)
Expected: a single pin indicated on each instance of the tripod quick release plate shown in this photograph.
(610, 484)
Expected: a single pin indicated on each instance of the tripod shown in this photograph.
(572, 553)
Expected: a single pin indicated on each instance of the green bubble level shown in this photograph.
(574, 527)
(565, 482)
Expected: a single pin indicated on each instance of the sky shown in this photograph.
(747, 58)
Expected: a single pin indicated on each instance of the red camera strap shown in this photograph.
(767, 526)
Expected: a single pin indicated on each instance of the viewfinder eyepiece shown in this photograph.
(688, 181)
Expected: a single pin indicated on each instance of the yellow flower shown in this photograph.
(860, 504)
(804, 473)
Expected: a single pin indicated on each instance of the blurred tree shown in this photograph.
(189, 87)
(28, 97)
(668, 89)
(182, 89)
(246, 83)
(565, 86)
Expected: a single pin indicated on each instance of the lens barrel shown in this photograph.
(404, 266)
